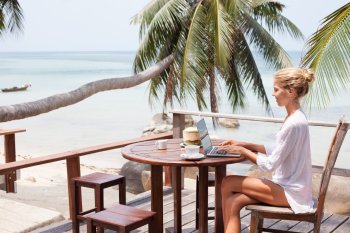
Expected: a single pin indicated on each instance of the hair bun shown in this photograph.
(308, 75)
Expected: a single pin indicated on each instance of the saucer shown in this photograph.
(182, 144)
(193, 157)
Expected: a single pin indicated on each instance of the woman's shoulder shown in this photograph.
(297, 120)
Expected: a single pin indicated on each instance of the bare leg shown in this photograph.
(233, 206)
(239, 191)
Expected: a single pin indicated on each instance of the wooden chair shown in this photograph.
(98, 181)
(121, 218)
(259, 212)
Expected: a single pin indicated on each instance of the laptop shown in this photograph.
(209, 149)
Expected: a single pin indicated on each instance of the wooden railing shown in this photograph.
(10, 155)
(72, 159)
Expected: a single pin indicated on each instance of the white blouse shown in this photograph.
(290, 161)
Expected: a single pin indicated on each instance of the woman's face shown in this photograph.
(283, 96)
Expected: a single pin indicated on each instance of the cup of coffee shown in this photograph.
(192, 149)
(162, 144)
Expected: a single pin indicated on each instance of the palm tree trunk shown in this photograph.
(25, 110)
(213, 98)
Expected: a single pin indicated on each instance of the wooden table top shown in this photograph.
(147, 152)
(11, 131)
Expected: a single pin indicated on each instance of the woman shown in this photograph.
(289, 159)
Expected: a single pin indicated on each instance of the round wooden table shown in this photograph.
(147, 153)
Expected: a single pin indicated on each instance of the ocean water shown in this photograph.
(122, 114)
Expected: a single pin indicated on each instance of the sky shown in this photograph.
(104, 25)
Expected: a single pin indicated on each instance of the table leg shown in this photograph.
(157, 196)
(203, 199)
(176, 171)
(220, 173)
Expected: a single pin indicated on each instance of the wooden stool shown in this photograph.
(121, 218)
(211, 183)
(98, 181)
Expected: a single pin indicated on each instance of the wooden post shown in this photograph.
(178, 127)
(10, 156)
(73, 170)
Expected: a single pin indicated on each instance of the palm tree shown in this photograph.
(29, 109)
(212, 42)
(11, 16)
(328, 54)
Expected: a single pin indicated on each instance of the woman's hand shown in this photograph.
(232, 149)
(230, 142)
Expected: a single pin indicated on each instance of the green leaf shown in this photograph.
(11, 16)
(328, 54)
(222, 33)
(272, 52)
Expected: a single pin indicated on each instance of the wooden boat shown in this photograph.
(19, 88)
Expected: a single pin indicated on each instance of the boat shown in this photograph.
(16, 88)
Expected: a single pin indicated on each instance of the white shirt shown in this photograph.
(290, 161)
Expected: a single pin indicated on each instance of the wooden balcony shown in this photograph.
(331, 222)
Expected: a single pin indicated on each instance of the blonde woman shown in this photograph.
(289, 159)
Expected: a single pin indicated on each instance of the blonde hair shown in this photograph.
(295, 78)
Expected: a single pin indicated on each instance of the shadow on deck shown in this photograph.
(330, 223)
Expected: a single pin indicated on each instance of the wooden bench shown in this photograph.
(121, 218)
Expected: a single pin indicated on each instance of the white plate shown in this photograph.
(193, 157)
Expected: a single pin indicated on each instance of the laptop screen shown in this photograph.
(203, 134)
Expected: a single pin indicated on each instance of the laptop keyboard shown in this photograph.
(214, 151)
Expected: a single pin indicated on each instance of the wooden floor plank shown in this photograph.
(333, 223)
(344, 228)
(283, 225)
(245, 222)
(306, 226)
(330, 223)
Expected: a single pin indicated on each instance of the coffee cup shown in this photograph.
(161, 144)
(192, 149)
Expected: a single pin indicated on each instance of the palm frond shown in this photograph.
(222, 32)
(2, 22)
(328, 54)
(194, 60)
(159, 85)
(163, 26)
(12, 16)
(146, 15)
(249, 72)
(235, 90)
(272, 52)
(269, 13)
(232, 6)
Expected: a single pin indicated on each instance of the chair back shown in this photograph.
(333, 152)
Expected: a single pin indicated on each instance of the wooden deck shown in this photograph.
(331, 222)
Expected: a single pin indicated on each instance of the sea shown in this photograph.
(123, 114)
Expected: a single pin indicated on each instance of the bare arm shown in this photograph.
(250, 146)
(252, 156)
